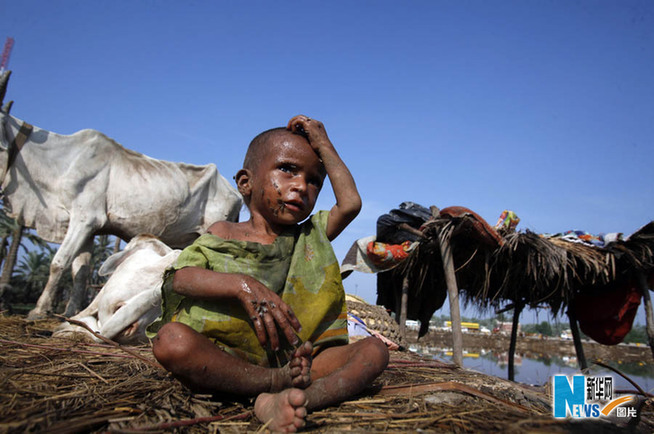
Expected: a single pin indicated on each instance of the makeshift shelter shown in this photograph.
(597, 281)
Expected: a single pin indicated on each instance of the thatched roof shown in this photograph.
(537, 270)
(527, 268)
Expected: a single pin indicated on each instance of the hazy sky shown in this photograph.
(542, 107)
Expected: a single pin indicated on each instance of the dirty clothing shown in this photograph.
(300, 266)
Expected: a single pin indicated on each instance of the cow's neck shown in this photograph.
(16, 135)
(16, 145)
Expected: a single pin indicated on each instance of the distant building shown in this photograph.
(465, 326)
(412, 324)
(505, 328)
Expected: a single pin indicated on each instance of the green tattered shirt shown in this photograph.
(300, 266)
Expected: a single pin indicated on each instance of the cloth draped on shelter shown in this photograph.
(607, 317)
(391, 245)
(370, 256)
(577, 236)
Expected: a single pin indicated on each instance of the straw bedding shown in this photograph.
(62, 385)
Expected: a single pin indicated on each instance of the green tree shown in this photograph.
(14, 235)
(31, 275)
(103, 247)
(544, 328)
(6, 229)
(637, 334)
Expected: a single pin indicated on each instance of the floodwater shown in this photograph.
(537, 370)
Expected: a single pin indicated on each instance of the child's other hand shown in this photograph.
(313, 130)
(267, 311)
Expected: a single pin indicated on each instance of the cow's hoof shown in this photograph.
(36, 314)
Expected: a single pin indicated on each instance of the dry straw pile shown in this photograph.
(58, 385)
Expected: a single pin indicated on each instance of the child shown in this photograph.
(257, 308)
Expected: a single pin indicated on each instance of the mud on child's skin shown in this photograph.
(280, 203)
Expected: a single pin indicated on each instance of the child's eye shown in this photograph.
(289, 168)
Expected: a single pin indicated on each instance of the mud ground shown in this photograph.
(535, 345)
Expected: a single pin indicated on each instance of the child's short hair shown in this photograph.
(259, 145)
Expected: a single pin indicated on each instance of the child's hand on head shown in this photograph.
(348, 201)
(313, 130)
(267, 311)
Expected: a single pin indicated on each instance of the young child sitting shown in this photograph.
(257, 308)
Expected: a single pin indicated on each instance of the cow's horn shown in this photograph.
(4, 79)
(7, 107)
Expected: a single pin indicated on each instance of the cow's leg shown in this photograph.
(67, 329)
(132, 311)
(75, 238)
(80, 271)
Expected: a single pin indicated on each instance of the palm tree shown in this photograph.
(18, 234)
(15, 231)
(10, 229)
(102, 249)
(6, 229)
(32, 272)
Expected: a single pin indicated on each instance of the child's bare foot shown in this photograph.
(284, 411)
(300, 366)
(297, 373)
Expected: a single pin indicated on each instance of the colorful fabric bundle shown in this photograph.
(386, 256)
(508, 221)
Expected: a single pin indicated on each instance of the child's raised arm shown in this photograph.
(348, 201)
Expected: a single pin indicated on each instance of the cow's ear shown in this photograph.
(243, 182)
(113, 261)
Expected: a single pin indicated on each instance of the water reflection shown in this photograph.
(537, 369)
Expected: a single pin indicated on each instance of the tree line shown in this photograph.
(554, 328)
(26, 258)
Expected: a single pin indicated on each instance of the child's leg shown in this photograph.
(202, 366)
(338, 373)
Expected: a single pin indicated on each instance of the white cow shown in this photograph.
(131, 298)
(70, 188)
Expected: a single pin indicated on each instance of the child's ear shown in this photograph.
(243, 178)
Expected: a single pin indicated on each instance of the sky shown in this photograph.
(543, 107)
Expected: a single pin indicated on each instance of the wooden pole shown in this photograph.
(576, 337)
(514, 339)
(649, 312)
(404, 305)
(453, 295)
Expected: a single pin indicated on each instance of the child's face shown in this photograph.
(287, 181)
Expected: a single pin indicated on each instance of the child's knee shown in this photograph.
(377, 352)
(172, 344)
